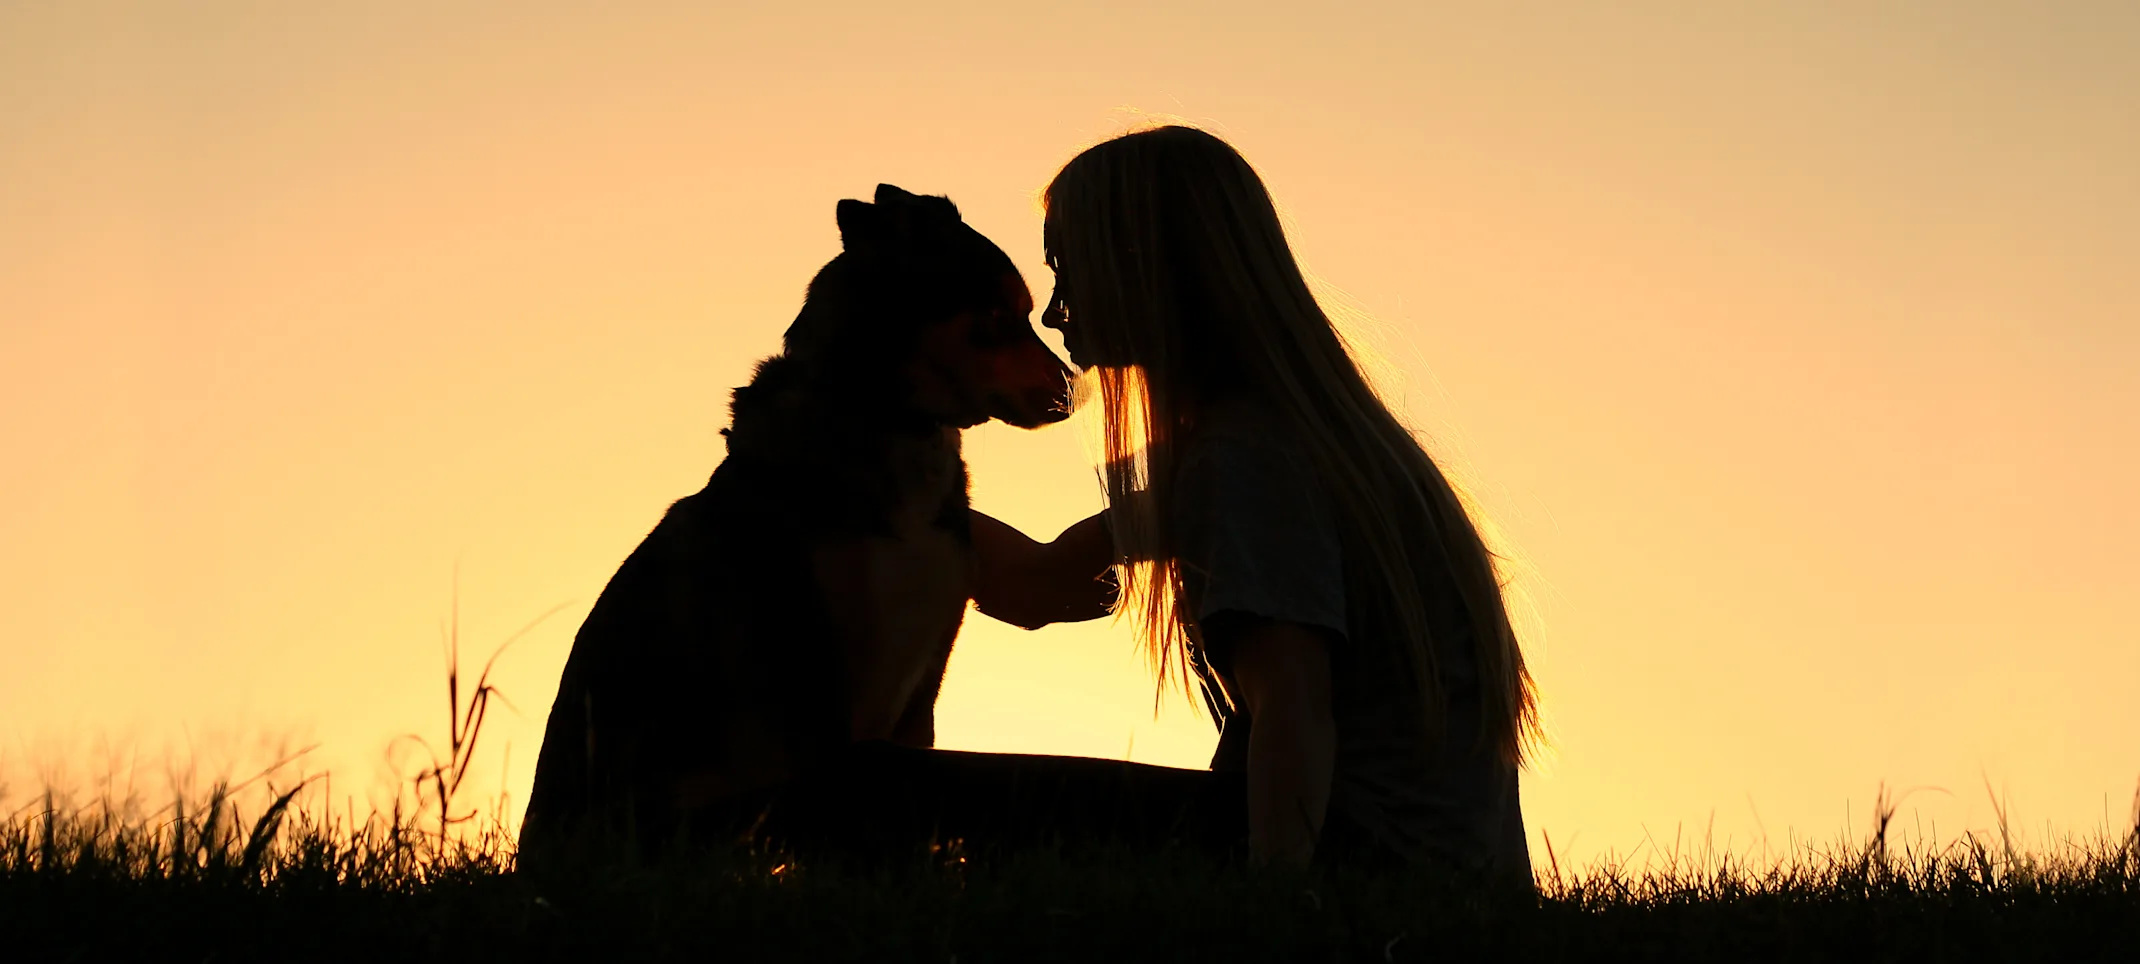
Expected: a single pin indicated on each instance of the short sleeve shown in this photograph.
(1255, 533)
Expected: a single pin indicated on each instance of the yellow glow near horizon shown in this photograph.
(1792, 349)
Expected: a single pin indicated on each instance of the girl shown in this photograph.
(1272, 530)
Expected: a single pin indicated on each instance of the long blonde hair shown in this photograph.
(1173, 264)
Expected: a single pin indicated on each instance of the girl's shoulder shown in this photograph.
(1251, 525)
(1241, 446)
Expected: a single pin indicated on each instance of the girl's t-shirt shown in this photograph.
(1258, 537)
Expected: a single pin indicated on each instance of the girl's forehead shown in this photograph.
(1048, 238)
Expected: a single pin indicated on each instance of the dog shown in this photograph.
(808, 597)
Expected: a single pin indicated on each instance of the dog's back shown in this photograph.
(809, 595)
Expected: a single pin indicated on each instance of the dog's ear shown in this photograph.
(892, 198)
(858, 223)
(894, 222)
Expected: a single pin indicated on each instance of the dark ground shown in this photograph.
(383, 898)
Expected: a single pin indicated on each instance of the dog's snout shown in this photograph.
(1030, 385)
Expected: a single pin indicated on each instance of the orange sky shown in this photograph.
(1790, 345)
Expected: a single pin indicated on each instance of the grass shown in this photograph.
(248, 873)
(263, 869)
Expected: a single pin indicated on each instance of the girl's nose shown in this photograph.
(1055, 315)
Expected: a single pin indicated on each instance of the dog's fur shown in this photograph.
(808, 596)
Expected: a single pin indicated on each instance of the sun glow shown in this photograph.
(1790, 346)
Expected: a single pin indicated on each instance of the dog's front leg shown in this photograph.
(917, 724)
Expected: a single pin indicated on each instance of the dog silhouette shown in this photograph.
(807, 598)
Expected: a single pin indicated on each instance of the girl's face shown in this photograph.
(1057, 316)
(1077, 338)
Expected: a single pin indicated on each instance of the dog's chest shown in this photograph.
(896, 597)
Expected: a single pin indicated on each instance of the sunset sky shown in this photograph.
(1791, 347)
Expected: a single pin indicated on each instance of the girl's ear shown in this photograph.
(858, 224)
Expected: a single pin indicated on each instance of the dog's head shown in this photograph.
(921, 308)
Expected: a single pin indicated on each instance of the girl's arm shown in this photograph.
(1031, 584)
(1284, 673)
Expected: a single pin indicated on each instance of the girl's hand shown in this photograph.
(1030, 584)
